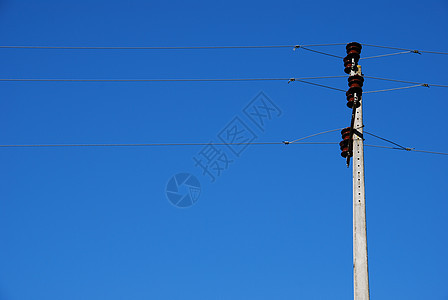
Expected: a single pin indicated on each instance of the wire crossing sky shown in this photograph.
(296, 141)
(297, 46)
(112, 113)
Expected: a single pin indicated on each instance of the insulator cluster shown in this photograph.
(344, 144)
(354, 93)
(355, 82)
(352, 58)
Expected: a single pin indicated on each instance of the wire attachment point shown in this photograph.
(425, 85)
(291, 80)
(296, 47)
(286, 142)
(416, 51)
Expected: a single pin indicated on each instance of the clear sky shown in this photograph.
(276, 223)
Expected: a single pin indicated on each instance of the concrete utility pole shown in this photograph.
(352, 145)
(360, 262)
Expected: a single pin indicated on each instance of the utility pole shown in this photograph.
(353, 146)
(360, 261)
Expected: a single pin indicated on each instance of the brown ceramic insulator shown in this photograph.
(346, 130)
(353, 90)
(353, 47)
(343, 145)
(355, 81)
(351, 96)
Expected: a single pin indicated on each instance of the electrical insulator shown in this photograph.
(355, 80)
(352, 58)
(345, 142)
(355, 83)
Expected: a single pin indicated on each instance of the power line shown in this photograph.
(296, 141)
(404, 81)
(404, 49)
(175, 144)
(295, 46)
(383, 147)
(179, 144)
(384, 139)
(390, 54)
(156, 144)
(160, 80)
(316, 134)
(408, 149)
(136, 80)
(431, 152)
(199, 144)
(320, 52)
(176, 80)
(145, 48)
(394, 89)
(301, 79)
(163, 47)
(399, 146)
(316, 84)
(319, 45)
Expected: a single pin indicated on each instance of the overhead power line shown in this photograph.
(316, 84)
(145, 48)
(410, 82)
(408, 149)
(162, 79)
(404, 49)
(294, 46)
(296, 141)
(394, 89)
(431, 152)
(309, 136)
(156, 144)
(400, 147)
(163, 47)
(384, 139)
(199, 144)
(176, 144)
(320, 52)
(137, 80)
(288, 80)
(389, 54)
(205, 47)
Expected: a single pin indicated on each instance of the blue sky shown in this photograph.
(95, 223)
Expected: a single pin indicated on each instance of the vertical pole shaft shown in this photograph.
(360, 263)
